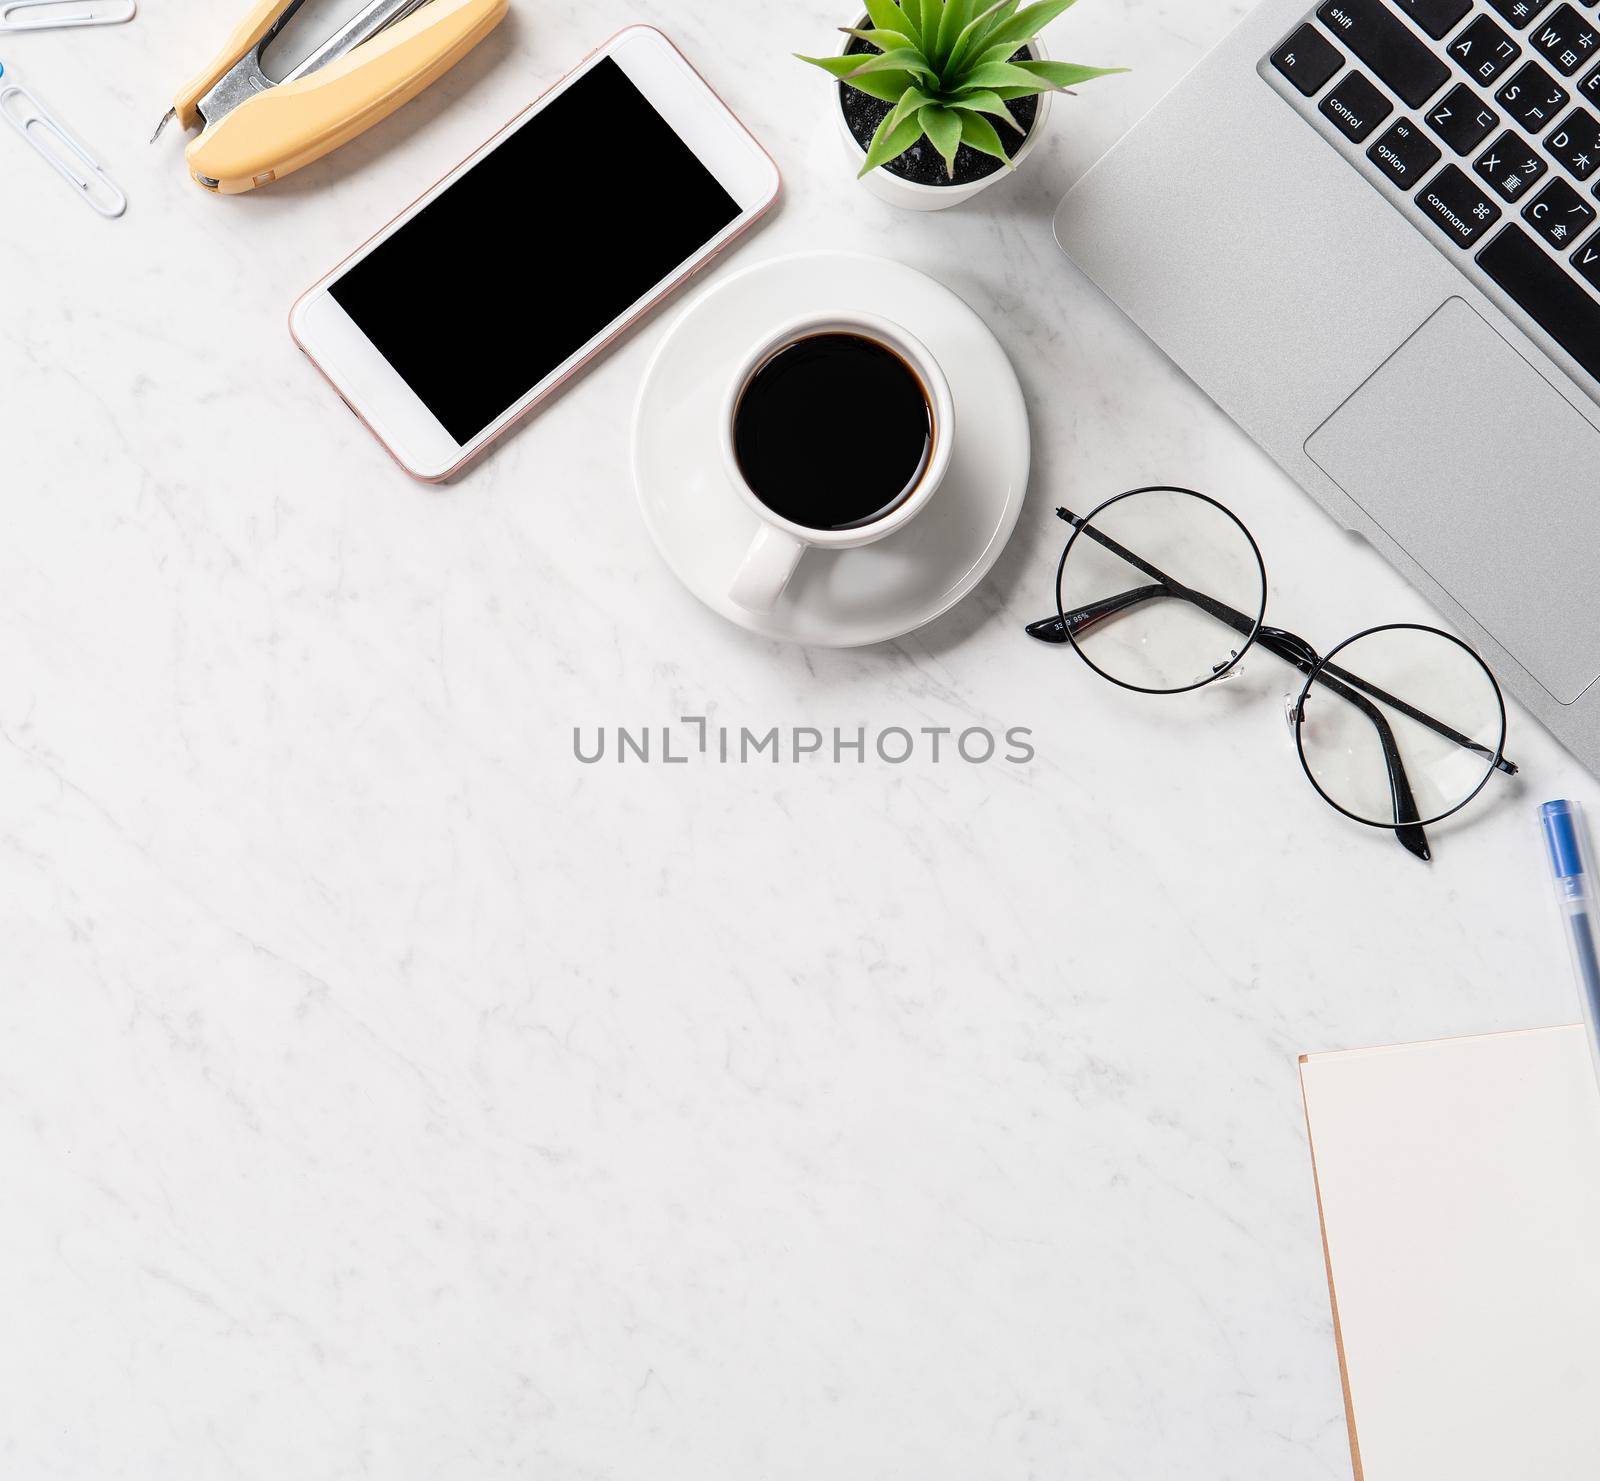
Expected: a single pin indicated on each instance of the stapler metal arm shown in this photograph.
(256, 130)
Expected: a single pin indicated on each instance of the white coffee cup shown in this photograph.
(779, 543)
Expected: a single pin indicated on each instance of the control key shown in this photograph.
(1356, 107)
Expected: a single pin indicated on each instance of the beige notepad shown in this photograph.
(1459, 1185)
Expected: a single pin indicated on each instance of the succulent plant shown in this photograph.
(946, 67)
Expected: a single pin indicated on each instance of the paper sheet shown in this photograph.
(1460, 1189)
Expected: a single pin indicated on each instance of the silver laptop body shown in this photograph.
(1367, 243)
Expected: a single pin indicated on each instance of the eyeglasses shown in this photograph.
(1163, 590)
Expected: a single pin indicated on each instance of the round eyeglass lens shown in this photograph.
(1161, 589)
(1395, 711)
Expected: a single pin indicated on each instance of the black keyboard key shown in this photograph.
(1559, 214)
(1576, 143)
(1533, 97)
(1587, 261)
(1356, 107)
(1436, 17)
(1386, 44)
(1457, 207)
(1308, 59)
(1483, 51)
(1590, 86)
(1519, 13)
(1404, 154)
(1567, 39)
(1546, 293)
(1462, 119)
(1510, 166)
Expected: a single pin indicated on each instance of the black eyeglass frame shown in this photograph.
(1100, 538)
(1497, 762)
(1283, 644)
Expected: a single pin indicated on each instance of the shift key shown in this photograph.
(1386, 44)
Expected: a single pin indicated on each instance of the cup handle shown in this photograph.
(767, 567)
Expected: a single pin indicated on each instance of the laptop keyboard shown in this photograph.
(1486, 119)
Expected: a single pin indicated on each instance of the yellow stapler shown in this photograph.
(257, 130)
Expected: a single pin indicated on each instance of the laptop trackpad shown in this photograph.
(1424, 446)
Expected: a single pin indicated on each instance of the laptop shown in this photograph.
(1370, 231)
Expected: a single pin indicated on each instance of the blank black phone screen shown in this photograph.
(536, 249)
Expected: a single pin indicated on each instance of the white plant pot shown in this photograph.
(918, 197)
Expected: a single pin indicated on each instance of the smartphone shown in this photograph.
(523, 263)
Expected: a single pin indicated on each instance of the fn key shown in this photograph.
(1308, 60)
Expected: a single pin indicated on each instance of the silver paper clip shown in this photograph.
(50, 15)
(64, 155)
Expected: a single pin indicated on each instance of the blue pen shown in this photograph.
(1566, 837)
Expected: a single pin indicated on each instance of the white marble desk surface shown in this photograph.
(382, 1093)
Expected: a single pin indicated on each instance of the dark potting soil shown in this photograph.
(922, 162)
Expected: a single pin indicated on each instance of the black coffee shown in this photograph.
(833, 431)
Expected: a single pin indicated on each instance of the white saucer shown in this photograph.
(841, 598)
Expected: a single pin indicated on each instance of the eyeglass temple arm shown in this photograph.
(1081, 619)
(1412, 713)
(1408, 825)
(1298, 652)
(1293, 649)
(1288, 646)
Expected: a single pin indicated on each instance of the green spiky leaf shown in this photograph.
(1000, 74)
(913, 101)
(970, 39)
(978, 133)
(1067, 74)
(888, 144)
(1025, 24)
(985, 102)
(885, 15)
(979, 39)
(887, 87)
(1002, 53)
(905, 58)
(833, 66)
(957, 14)
(943, 128)
(884, 40)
